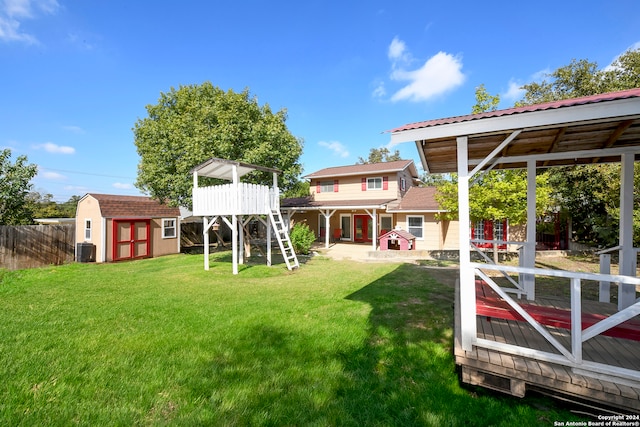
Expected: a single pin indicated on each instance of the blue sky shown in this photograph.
(76, 75)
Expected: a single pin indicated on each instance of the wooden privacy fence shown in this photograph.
(28, 246)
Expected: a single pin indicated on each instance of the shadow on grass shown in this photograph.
(407, 365)
(401, 373)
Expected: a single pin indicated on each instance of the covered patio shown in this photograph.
(596, 129)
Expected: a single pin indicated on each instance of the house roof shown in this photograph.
(115, 206)
(591, 129)
(303, 203)
(417, 199)
(364, 169)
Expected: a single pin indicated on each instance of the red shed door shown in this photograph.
(131, 238)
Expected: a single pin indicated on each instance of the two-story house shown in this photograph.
(359, 203)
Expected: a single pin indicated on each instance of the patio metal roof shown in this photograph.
(592, 129)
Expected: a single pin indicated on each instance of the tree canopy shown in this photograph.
(590, 194)
(379, 155)
(193, 123)
(15, 183)
(499, 194)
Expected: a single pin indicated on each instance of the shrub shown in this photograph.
(302, 238)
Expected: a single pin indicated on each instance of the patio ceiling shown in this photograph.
(594, 129)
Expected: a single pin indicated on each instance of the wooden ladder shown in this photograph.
(282, 234)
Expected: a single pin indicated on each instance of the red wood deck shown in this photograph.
(489, 304)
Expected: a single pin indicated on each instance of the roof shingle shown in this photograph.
(395, 166)
(115, 206)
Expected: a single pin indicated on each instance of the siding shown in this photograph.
(89, 208)
(350, 188)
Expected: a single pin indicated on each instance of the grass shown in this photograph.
(163, 342)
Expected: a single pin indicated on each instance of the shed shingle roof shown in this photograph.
(115, 206)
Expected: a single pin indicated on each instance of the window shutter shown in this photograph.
(488, 230)
(318, 187)
(335, 185)
(385, 182)
(364, 184)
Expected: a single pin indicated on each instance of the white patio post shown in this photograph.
(205, 234)
(234, 222)
(374, 232)
(234, 242)
(467, 283)
(268, 242)
(627, 293)
(240, 240)
(530, 245)
(327, 216)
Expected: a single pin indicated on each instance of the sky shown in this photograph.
(76, 75)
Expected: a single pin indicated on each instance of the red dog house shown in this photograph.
(397, 240)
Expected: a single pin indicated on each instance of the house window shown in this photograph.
(326, 187)
(374, 183)
(478, 230)
(87, 230)
(403, 184)
(415, 224)
(345, 224)
(386, 223)
(169, 228)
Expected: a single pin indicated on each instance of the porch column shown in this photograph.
(327, 215)
(467, 302)
(374, 232)
(530, 245)
(627, 293)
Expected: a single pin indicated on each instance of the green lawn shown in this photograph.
(162, 341)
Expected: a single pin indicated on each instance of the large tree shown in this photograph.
(193, 123)
(15, 183)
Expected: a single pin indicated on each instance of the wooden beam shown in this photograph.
(615, 135)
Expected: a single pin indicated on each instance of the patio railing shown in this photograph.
(573, 356)
(240, 199)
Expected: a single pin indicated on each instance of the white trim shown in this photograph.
(174, 228)
(422, 226)
(576, 114)
(374, 179)
(89, 229)
(350, 218)
(390, 216)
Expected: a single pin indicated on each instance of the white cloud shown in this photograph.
(397, 50)
(13, 12)
(336, 147)
(73, 129)
(122, 186)
(440, 74)
(50, 147)
(54, 176)
(514, 91)
(634, 46)
(379, 91)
